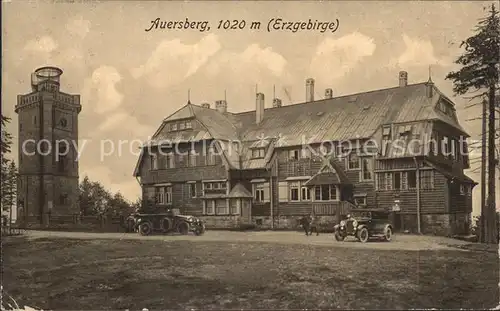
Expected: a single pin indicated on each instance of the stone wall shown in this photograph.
(437, 224)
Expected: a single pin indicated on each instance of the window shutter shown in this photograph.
(283, 191)
(266, 191)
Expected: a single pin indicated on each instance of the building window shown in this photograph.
(34, 120)
(192, 158)
(386, 132)
(325, 193)
(412, 179)
(427, 179)
(181, 126)
(173, 127)
(352, 161)
(404, 180)
(163, 195)
(211, 156)
(366, 169)
(283, 191)
(182, 160)
(192, 190)
(63, 199)
(294, 191)
(258, 153)
(306, 153)
(154, 162)
(188, 124)
(388, 181)
(397, 181)
(293, 155)
(325, 149)
(261, 192)
(221, 207)
(234, 208)
(360, 200)
(169, 161)
(209, 207)
(62, 157)
(214, 187)
(305, 194)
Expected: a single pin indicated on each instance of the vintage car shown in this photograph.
(146, 223)
(364, 224)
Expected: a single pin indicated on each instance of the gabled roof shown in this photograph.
(239, 191)
(355, 116)
(330, 173)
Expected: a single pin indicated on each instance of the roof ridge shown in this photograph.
(338, 97)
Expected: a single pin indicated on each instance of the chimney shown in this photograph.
(403, 78)
(205, 105)
(328, 93)
(259, 108)
(310, 90)
(277, 103)
(221, 106)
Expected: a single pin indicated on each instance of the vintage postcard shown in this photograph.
(182, 155)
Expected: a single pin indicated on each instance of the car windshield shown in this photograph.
(361, 215)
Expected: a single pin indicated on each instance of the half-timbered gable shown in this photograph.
(398, 147)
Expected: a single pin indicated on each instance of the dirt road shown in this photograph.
(399, 242)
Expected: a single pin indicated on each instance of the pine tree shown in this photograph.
(479, 74)
(85, 197)
(9, 189)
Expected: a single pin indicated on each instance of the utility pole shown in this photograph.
(483, 222)
(492, 232)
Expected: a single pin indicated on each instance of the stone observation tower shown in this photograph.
(48, 137)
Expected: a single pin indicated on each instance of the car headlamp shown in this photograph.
(342, 223)
(354, 223)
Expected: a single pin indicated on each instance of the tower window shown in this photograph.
(63, 198)
(34, 120)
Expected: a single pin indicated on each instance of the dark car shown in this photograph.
(364, 224)
(148, 223)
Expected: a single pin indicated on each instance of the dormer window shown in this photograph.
(173, 127)
(258, 153)
(181, 126)
(386, 132)
(188, 124)
(404, 130)
(293, 154)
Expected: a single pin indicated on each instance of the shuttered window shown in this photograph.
(283, 191)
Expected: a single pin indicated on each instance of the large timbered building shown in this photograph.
(397, 147)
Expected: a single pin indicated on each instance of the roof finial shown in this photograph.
(189, 96)
(225, 95)
(274, 91)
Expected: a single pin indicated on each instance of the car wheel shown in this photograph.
(199, 231)
(339, 237)
(363, 235)
(388, 234)
(145, 228)
(183, 228)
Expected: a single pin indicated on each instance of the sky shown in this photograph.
(130, 79)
